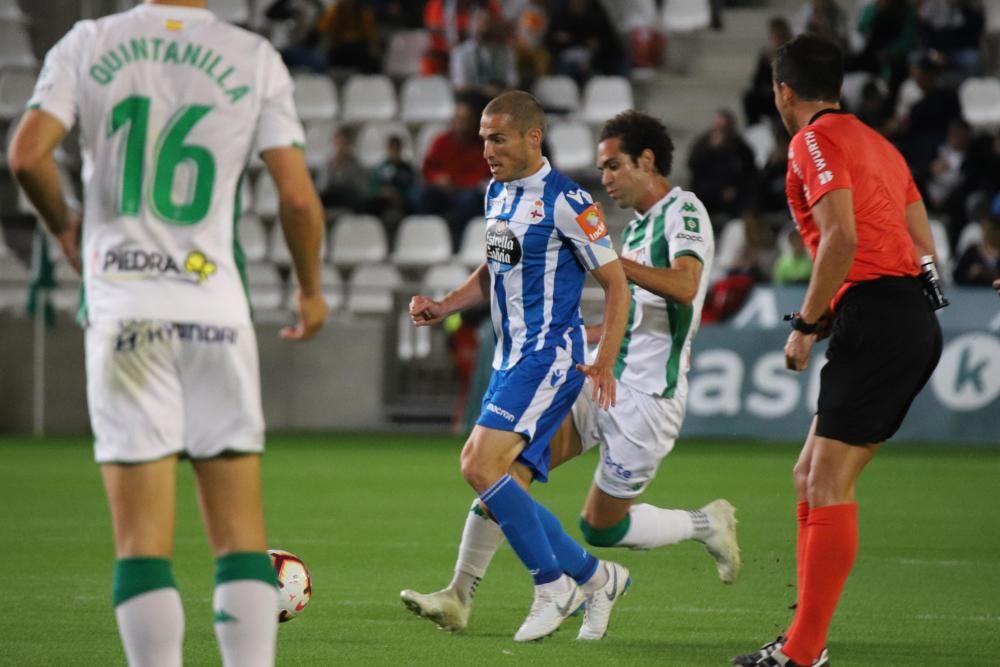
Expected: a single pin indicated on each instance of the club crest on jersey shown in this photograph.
(503, 250)
(592, 223)
(537, 210)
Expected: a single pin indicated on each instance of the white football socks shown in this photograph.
(652, 527)
(481, 538)
(151, 626)
(246, 622)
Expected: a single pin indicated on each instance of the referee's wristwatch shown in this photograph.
(801, 325)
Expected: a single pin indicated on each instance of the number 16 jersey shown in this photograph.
(170, 101)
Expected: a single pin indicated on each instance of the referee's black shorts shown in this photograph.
(885, 344)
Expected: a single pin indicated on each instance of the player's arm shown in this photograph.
(679, 283)
(475, 290)
(838, 240)
(32, 164)
(919, 228)
(301, 216)
(612, 278)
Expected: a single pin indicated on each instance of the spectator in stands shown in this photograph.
(349, 36)
(983, 180)
(292, 29)
(950, 32)
(723, 173)
(583, 42)
(454, 170)
(397, 14)
(919, 134)
(343, 181)
(825, 18)
(392, 185)
(449, 22)
(484, 63)
(944, 187)
(794, 266)
(758, 253)
(758, 100)
(980, 262)
(531, 25)
(873, 110)
(889, 29)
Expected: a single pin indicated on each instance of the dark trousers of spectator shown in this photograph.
(457, 207)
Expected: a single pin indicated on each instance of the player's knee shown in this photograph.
(478, 475)
(604, 537)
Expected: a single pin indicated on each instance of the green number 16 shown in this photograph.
(170, 152)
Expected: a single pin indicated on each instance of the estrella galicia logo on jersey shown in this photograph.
(195, 267)
(503, 249)
(691, 224)
(592, 223)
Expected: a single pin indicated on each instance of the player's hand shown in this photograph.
(312, 311)
(797, 350)
(424, 312)
(604, 386)
(69, 242)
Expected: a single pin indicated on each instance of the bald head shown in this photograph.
(524, 111)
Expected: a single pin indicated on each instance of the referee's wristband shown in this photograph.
(800, 324)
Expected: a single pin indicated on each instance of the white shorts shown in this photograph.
(634, 436)
(157, 389)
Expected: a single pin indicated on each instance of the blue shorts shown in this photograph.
(532, 399)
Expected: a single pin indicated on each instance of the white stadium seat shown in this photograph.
(558, 94)
(369, 145)
(368, 98)
(315, 97)
(265, 200)
(16, 86)
(442, 278)
(426, 99)
(971, 234)
(370, 289)
(572, 146)
(406, 48)
(606, 96)
(943, 248)
(10, 12)
(357, 239)
(253, 238)
(15, 46)
(231, 11)
(267, 291)
(421, 241)
(472, 251)
(686, 15)
(760, 138)
(980, 99)
(319, 142)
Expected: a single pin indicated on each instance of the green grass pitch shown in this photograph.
(371, 515)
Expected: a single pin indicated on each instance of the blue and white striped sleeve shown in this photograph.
(580, 220)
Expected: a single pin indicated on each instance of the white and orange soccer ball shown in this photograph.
(294, 583)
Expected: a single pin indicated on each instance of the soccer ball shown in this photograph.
(294, 583)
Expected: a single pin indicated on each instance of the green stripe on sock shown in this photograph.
(245, 565)
(135, 576)
(605, 537)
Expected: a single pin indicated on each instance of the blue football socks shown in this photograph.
(515, 511)
(573, 559)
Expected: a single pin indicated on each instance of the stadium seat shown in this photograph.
(425, 136)
(368, 98)
(231, 11)
(333, 287)
(971, 234)
(315, 97)
(686, 15)
(265, 200)
(760, 138)
(279, 254)
(943, 248)
(267, 290)
(406, 48)
(472, 251)
(421, 241)
(558, 94)
(853, 86)
(15, 46)
(426, 99)
(10, 12)
(370, 289)
(253, 238)
(16, 87)
(572, 146)
(980, 98)
(728, 247)
(606, 96)
(442, 278)
(369, 145)
(319, 143)
(357, 239)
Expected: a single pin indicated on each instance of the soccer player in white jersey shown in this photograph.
(667, 255)
(543, 234)
(171, 101)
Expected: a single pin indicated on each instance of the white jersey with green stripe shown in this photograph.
(171, 101)
(656, 353)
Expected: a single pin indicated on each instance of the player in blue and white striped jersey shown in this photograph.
(543, 234)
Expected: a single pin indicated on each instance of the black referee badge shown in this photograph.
(503, 250)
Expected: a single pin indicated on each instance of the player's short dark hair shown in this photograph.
(638, 131)
(524, 110)
(812, 66)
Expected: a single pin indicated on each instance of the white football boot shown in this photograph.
(554, 603)
(597, 612)
(443, 608)
(722, 544)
